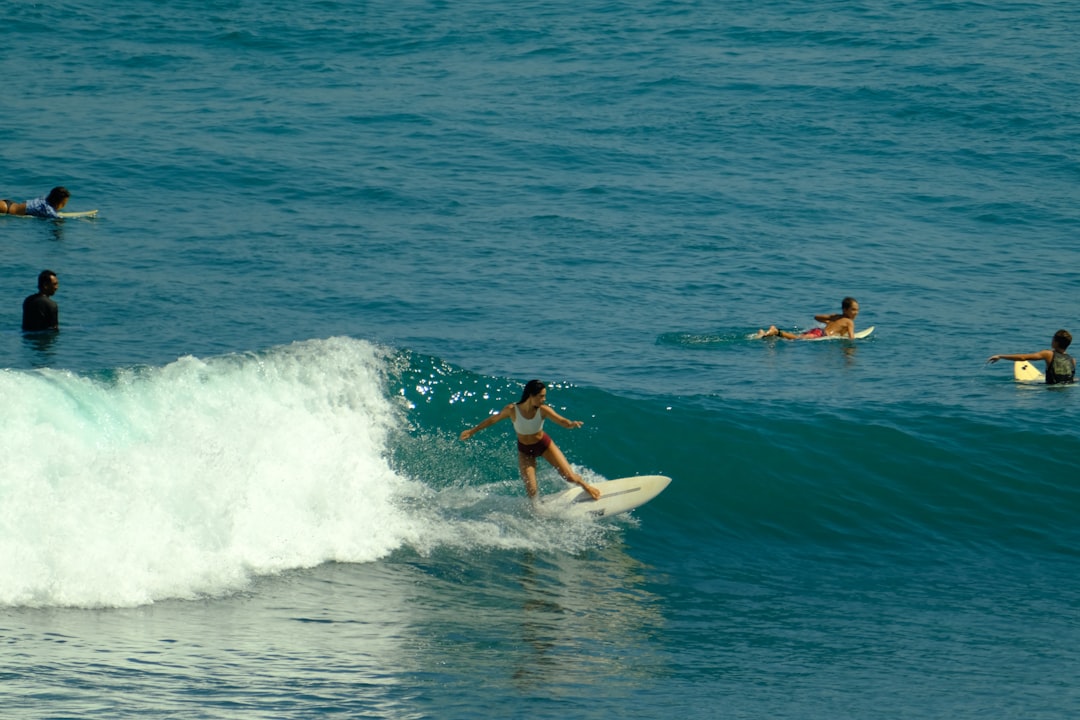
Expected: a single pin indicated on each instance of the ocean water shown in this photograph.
(333, 235)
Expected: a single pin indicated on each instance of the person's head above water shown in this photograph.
(47, 282)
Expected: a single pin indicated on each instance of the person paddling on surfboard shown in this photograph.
(1060, 366)
(528, 417)
(840, 324)
(48, 206)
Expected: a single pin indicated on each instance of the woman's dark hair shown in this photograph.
(532, 388)
(56, 195)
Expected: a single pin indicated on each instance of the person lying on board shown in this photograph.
(528, 417)
(840, 324)
(47, 206)
(1060, 366)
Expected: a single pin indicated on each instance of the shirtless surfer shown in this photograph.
(840, 324)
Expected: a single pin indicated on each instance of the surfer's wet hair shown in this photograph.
(56, 196)
(1062, 339)
(45, 275)
(847, 303)
(532, 389)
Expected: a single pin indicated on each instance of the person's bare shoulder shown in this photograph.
(841, 326)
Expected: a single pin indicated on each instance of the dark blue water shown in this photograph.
(332, 236)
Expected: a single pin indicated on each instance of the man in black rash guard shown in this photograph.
(40, 311)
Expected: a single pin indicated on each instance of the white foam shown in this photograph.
(187, 480)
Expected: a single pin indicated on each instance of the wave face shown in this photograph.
(188, 480)
(896, 479)
(135, 485)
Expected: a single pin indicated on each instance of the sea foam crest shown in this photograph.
(188, 479)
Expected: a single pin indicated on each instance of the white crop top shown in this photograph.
(526, 426)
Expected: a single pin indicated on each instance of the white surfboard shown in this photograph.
(616, 496)
(79, 214)
(1024, 371)
(859, 335)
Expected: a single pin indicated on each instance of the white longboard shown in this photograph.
(859, 335)
(616, 496)
(80, 214)
(1023, 371)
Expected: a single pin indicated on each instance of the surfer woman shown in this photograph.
(48, 206)
(528, 417)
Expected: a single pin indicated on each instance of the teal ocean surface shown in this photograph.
(334, 235)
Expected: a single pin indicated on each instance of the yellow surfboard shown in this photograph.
(1023, 371)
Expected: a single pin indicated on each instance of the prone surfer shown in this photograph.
(840, 324)
(528, 417)
(47, 206)
(1060, 366)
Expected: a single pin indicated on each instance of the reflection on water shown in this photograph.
(586, 619)
(541, 623)
(40, 345)
(333, 634)
(455, 634)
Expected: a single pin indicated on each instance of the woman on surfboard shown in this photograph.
(840, 324)
(48, 206)
(528, 417)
